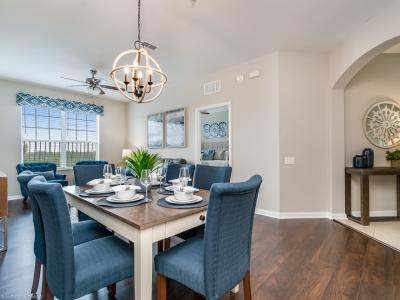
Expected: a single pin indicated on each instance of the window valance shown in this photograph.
(57, 103)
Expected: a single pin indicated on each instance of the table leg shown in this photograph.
(143, 270)
(398, 194)
(347, 195)
(364, 195)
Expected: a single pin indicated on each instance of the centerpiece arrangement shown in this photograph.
(394, 158)
(140, 160)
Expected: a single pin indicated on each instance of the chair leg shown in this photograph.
(25, 198)
(247, 287)
(36, 277)
(161, 287)
(44, 284)
(167, 243)
(112, 289)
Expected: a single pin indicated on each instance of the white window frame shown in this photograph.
(63, 141)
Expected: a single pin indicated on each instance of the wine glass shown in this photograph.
(145, 180)
(120, 173)
(184, 176)
(107, 171)
(160, 172)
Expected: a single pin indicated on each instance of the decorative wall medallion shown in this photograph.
(382, 124)
(215, 130)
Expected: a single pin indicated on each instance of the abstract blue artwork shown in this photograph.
(215, 130)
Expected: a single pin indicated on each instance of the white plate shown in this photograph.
(177, 180)
(114, 199)
(173, 200)
(96, 181)
(123, 187)
(93, 192)
(186, 188)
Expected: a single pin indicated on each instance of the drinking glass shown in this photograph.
(160, 172)
(145, 180)
(107, 171)
(184, 176)
(120, 173)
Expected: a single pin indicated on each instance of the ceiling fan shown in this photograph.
(94, 86)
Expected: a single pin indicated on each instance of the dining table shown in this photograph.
(141, 225)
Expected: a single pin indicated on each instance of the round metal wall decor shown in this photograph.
(382, 124)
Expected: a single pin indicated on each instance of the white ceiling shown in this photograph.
(42, 40)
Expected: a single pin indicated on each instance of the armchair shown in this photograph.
(48, 170)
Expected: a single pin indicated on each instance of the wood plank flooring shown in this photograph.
(291, 259)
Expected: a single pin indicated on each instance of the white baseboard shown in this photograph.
(320, 215)
(15, 197)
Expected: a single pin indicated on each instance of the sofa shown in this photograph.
(30, 170)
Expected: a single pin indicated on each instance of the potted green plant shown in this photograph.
(139, 160)
(394, 158)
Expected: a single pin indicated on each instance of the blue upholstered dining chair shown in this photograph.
(172, 171)
(214, 264)
(81, 231)
(87, 170)
(73, 271)
(48, 170)
(204, 177)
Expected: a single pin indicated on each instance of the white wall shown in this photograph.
(377, 81)
(113, 132)
(303, 131)
(255, 139)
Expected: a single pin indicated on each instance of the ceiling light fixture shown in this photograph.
(136, 74)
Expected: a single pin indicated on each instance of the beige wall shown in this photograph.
(377, 81)
(254, 123)
(303, 131)
(113, 131)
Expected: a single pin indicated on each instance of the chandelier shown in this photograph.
(136, 74)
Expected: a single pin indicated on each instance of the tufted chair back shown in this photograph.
(173, 171)
(37, 167)
(91, 162)
(227, 237)
(205, 176)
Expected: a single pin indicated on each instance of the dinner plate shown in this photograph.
(171, 188)
(177, 180)
(114, 199)
(173, 200)
(93, 192)
(96, 181)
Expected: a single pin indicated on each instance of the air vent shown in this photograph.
(148, 45)
(212, 87)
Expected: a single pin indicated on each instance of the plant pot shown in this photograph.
(395, 163)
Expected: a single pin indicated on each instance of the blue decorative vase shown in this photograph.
(369, 156)
(359, 161)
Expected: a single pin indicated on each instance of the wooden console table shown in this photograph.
(3, 209)
(364, 193)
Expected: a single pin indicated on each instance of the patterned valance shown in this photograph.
(57, 103)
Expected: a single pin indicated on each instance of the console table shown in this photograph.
(364, 193)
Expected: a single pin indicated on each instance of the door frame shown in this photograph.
(197, 147)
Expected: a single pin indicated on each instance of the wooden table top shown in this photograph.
(141, 216)
(374, 171)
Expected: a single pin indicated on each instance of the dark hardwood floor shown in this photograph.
(291, 259)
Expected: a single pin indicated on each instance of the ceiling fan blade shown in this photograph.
(75, 85)
(72, 79)
(110, 87)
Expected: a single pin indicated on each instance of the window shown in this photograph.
(58, 136)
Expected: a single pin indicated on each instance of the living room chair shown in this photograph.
(46, 169)
(73, 271)
(81, 231)
(214, 264)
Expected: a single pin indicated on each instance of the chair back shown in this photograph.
(227, 237)
(85, 173)
(60, 263)
(205, 176)
(91, 162)
(173, 171)
(37, 167)
(23, 178)
(39, 245)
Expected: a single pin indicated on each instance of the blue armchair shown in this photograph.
(48, 170)
(82, 232)
(73, 271)
(214, 264)
(91, 162)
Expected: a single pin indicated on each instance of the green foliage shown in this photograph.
(395, 155)
(140, 160)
